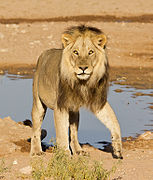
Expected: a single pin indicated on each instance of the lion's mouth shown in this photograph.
(83, 76)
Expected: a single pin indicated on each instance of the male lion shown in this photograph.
(69, 78)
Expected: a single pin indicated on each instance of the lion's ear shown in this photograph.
(101, 40)
(66, 39)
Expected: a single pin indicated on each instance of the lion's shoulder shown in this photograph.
(49, 58)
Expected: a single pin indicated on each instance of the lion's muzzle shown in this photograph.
(83, 72)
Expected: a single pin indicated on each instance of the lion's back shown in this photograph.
(49, 59)
(47, 75)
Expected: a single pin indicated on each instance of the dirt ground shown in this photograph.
(15, 149)
(29, 27)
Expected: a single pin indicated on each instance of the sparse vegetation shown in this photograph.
(3, 167)
(62, 167)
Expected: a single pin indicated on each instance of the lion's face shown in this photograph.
(83, 53)
(83, 58)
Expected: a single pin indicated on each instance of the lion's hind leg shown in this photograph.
(107, 116)
(38, 113)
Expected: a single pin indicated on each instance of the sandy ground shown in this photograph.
(29, 27)
(14, 151)
(129, 44)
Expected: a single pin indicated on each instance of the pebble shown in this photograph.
(26, 170)
(15, 162)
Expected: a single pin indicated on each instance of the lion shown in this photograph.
(70, 78)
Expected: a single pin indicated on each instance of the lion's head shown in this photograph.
(83, 55)
(83, 69)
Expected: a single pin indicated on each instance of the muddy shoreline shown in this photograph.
(140, 78)
(145, 18)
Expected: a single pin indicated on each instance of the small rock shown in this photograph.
(146, 135)
(26, 170)
(15, 162)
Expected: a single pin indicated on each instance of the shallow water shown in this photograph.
(133, 113)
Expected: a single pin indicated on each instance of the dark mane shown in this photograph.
(72, 98)
(82, 29)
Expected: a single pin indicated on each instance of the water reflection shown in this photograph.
(133, 113)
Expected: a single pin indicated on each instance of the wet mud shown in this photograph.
(145, 18)
(136, 143)
(140, 78)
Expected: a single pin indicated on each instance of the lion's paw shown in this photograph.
(117, 150)
(40, 153)
(83, 153)
(117, 155)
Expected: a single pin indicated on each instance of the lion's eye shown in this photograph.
(90, 52)
(76, 52)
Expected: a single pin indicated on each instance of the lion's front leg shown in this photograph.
(74, 124)
(61, 119)
(107, 116)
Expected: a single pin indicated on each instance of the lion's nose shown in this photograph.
(83, 68)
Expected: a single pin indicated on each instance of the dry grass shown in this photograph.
(3, 167)
(62, 167)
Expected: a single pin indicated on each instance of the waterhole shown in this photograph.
(133, 108)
